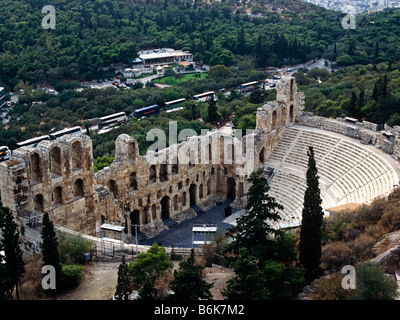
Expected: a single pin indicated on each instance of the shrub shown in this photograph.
(335, 255)
(362, 246)
(390, 220)
(373, 284)
(71, 248)
(71, 276)
(31, 283)
(329, 288)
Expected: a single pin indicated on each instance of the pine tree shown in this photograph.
(123, 283)
(14, 264)
(253, 230)
(248, 284)
(187, 283)
(312, 215)
(50, 247)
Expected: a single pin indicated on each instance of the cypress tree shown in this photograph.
(14, 264)
(312, 215)
(123, 283)
(50, 246)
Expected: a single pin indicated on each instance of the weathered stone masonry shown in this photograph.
(58, 176)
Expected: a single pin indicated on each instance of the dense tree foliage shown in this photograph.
(90, 36)
(366, 92)
(148, 268)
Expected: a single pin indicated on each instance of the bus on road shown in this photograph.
(248, 87)
(173, 110)
(5, 153)
(32, 142)
(173, 104)
(147, 111)
(206, 96)
(112, 120)
(58, 134)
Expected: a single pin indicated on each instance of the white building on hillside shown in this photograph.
(164, 56)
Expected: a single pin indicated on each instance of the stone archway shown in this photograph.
(192, 194)
(231, 188)
(291, 114)
(134, 217)
(36, 168)
(165, 208)
(38, 202)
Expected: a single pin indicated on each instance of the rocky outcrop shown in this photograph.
(387, 253)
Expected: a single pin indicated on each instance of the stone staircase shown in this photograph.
(197, 210)
(140, 237)
(168, 222)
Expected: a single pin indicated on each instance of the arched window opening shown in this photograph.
(112, 185)
(38, 202)
(77, 155)
(152, 174)
(36, 168)
(133, 181)
(78, 188)
(273, 123)
(58, 195)
(55, 156)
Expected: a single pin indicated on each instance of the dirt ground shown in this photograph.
(218, 276)
(100, 280)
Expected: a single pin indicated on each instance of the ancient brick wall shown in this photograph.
(58, 176)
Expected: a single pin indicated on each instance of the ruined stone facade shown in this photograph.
(58, 176)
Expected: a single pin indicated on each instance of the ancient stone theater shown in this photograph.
(356, 163)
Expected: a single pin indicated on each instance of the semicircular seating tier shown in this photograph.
(348, 172)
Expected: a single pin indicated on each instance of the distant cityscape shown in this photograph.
(358, 5)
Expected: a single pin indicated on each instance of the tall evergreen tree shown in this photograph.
(249, 283)
(253, 230)
(212, 110)
(123, 282)
(11, 244)
(50, 247)
(187, 283)
(312, 216)
(263, 256)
